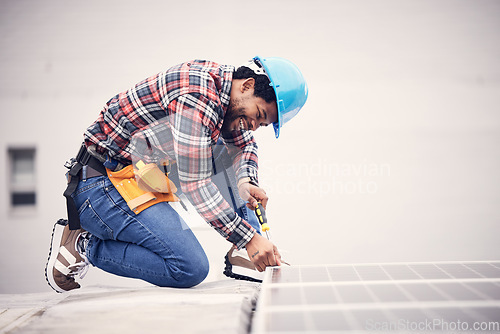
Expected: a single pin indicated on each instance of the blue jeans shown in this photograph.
(155, 245)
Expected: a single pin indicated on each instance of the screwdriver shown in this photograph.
(261, 216)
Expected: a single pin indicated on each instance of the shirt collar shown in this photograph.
(225, 91)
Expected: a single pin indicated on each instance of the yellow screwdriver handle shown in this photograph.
(261, 216)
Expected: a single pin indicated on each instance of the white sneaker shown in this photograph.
(66, 257)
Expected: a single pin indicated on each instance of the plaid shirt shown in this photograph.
(177, 115)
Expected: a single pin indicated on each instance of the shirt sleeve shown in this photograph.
(242, 148)
(192, 124)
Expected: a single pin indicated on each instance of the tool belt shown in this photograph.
(138, 196)
(83, 166)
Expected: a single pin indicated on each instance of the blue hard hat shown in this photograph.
(289, 85)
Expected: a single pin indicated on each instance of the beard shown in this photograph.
(234, 112)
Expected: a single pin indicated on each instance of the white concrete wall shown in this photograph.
(394, 158)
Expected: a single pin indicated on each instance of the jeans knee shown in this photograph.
(193, 273)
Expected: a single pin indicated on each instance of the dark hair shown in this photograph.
(262, 84)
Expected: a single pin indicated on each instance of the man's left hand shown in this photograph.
(253, 194)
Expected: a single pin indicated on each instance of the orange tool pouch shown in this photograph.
(137, 198)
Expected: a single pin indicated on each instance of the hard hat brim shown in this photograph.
(289, 87)
(279, 123)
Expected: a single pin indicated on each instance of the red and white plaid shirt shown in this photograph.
(177, 115)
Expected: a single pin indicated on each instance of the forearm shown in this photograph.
(243, 151)
(210, 204)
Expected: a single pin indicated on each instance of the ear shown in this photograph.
(247, 84)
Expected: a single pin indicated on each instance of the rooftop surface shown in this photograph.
(223, 306)
(298, 299)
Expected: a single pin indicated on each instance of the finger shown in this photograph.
(260, 267)
(259, 263)
(264, 201)
(271, 259)
(254, 196)
(252, 203)
(265, 259)
(277, 256)
(259, 195)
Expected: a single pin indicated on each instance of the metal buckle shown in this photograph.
(70, 163)
(83, 155)
(84, 172)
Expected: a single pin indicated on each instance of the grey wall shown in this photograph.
(394, 157)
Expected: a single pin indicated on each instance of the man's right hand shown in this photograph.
(263, 253)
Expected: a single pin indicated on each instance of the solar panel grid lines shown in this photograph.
(347, 318)
(307, 318)
(346, 297)
(382, 312)
(340, 303)
(366, 272)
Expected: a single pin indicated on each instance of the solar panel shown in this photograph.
(389, 297)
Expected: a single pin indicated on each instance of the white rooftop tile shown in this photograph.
(215, 307)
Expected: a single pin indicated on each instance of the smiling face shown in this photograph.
(247, 111)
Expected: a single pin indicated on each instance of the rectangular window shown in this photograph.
(22, 177)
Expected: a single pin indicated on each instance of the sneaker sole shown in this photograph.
(57, 233)
(240, 275)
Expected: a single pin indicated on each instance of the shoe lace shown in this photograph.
(79, 268)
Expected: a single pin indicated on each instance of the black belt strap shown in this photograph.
(83, 158)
